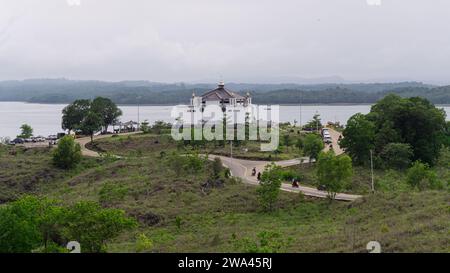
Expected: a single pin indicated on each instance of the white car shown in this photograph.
(40, 139)
(52, 137)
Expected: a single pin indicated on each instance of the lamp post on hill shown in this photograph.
(138, 113)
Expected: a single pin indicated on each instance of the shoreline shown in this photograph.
(281, 104)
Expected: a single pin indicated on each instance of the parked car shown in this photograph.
(18, 141)
(327, 140)
(52, 137)
(322, 188)
(40, 139)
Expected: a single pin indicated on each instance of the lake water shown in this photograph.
(46, 118)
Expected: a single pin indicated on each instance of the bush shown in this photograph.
(93, 226)
(334, 172)
(217, 167)
(68, 153)
(312, 146)
(397, 155)
(145, 127)
(269, 189)
(266, 242)
(391, 181)
(143, 243)
(33, 224)
(190, 163)
(444, 158)
(420, 176)
(111, 193)
(288, 175)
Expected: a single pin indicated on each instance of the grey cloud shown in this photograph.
(252, 40)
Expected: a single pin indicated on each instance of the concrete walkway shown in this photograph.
(83, 141)
(335, 141)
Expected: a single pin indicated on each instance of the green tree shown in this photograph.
(314, 124)
(333, 172)
(414, 121)
(444, 158)
(91, 124)
(107, 110)
(28, 224)
(397, 155)
(93, 227)
(358, 138)
(312, 146)
(68, 153)
(420, 176)
(446, 135)
(145, 127)
(269, 188)
(26, 131)
(217, 167)
(74, 113)
(159, 126)
(33, 224)
(286, 140)
(299, 144)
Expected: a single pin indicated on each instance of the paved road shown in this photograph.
(335, 139)
(243, 168)
(83, 141)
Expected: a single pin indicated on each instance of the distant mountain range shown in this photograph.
(146, 92)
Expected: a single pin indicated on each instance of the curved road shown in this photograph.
(83, 141)
(242, 168)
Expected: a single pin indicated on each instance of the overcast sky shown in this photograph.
(233, 40)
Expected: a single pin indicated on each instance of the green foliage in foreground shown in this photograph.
(68, 153)
(33, 224)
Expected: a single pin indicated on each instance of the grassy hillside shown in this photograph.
(153, 145)
(180, 212)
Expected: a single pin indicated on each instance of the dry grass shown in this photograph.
(179, 215)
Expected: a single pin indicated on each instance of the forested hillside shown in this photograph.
(130, 92)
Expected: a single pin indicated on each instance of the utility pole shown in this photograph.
(371, 169)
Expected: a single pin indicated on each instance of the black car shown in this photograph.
(18, 141)
(322, 188)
